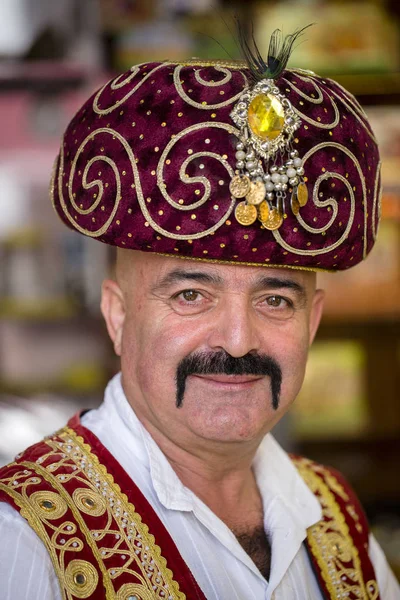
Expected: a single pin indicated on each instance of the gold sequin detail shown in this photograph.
(50, 504)
(81, 578)
(89, 502)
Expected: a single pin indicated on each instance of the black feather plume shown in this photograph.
(279, 51)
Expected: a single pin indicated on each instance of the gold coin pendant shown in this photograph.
(294, 203)
(274, 220)
(263, 211)
(245, 213)
(256, 194)
(302, 194)
(239, 186)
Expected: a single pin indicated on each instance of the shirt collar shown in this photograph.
(169, 489)
(276, 475)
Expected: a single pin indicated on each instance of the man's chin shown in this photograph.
(230, 423)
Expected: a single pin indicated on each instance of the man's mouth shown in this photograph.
(236, 381)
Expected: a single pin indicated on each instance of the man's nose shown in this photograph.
(236, 328)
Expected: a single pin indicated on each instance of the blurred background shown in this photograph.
(54, 353)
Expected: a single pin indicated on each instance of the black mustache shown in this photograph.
(222, 363)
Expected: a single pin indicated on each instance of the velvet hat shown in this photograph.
(201, 160)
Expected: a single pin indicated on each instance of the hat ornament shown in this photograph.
(267, 165)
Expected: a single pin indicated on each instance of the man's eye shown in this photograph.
(276, 301)
(189, 295)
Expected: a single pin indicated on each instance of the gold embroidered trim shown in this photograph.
(302, 94)
(95, 183)
(324, 203)
(377, 202)
(187, 180)
(52, 182)
(188, 100)
(228, 77)
(304, 117)
(28, 512)
(81, 578)
(330, 540)
(114, 85)
(246, 264)
(355, 108)
(197, 62)
(125, 538)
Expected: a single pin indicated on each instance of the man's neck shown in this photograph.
(222, 478)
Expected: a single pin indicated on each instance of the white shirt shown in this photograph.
(220, 566)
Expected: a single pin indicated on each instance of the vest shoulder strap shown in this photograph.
(338, 544)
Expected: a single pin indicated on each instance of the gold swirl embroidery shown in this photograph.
(136, 175)
(27, 510)
(52, 183)
(90, 185)
(132, 591)
(108, 110)
(372, 589)
(330, 540)
(89, 502)
(188, 100)
(299, 92)
(228, 77)
(354, 107)
(303, 116)
(377, 201)
(124, 536)
(318, 124)
(120, 82)
(329, 202)
(81, 578)
(143, 551)
(203, 180)
(335, 245)
(354, 113)
(348, 101)
(95, 183)
(49, 504)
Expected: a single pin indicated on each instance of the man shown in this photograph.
(257, 177)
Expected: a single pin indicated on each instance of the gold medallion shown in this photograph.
(239, 186)
(256, 194)
(302, 194)
(263, 211)
(274, 220)
(295, 204)
(245, 213)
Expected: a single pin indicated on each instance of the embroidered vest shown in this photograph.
(106, 542)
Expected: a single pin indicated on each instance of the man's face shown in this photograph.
(200, 322)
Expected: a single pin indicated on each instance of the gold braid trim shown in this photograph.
(240, 263)
(330, 541)
(119, 540)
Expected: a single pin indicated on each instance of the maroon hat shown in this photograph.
(199, 160)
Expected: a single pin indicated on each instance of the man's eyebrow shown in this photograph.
(281, 283)
(179, 275)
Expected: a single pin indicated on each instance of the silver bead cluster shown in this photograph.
(276, 178)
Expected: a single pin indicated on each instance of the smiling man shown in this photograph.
(225, 188)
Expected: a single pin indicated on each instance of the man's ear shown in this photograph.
(113, 309)
(316, 313)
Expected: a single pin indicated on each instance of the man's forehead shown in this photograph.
(165, 270)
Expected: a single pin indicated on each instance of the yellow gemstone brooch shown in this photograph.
(267, 165)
